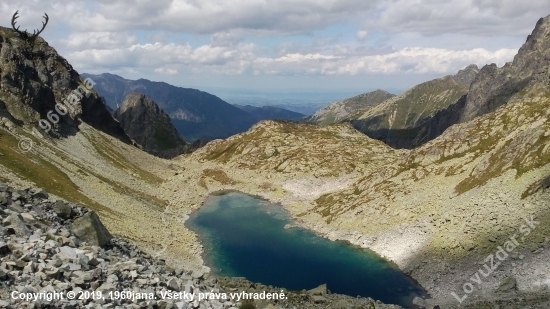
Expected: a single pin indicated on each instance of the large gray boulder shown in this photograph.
(89, 228)
(17, 225)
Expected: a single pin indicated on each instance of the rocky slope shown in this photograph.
(350, 108)
(195, 114)
(415, 117)
(148, 125)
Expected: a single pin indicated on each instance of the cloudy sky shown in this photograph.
(282, 44)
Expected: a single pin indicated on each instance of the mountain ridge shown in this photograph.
(417, 115)
(349, 108)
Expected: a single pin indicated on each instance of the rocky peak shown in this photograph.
(35, 79)
(145, 122)
(467, 75)
(349, 108)
(494, 86)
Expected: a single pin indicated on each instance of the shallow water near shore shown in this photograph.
(244, 236)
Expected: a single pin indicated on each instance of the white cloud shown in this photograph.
(166, 71)
(246, 58)
(99, 40)
(361, 35)
(473, 17)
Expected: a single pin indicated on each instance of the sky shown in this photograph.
(268, 45)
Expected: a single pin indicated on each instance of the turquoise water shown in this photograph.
(246, 237)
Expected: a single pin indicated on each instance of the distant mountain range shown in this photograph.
(195, 114)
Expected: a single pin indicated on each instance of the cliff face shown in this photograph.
(494, 86)
(146, 123)
(35, 80)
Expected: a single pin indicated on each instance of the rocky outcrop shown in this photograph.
(147, 124)
(494, 86)
(467, 76)
(350, 108)
(34, 78)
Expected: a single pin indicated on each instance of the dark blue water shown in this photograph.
(246, 237)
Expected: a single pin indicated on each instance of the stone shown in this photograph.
(66, 253)
(508, 284)
(4, 249)
(3, 275)
(27, 217)
(320, 290)
(63, 210)
(3, 187)
(41, 194)
(420, 302)
(3, 200)
(17, 225)
(89, 228)
(173, 284)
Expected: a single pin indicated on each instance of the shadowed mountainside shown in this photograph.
(147, 124)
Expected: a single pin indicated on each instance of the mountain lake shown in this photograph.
(244, 236)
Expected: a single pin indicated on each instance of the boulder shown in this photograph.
(89, 228)
(63, 210)
(4, 249)
(15, 223)
(508, 284)
(41, 194)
